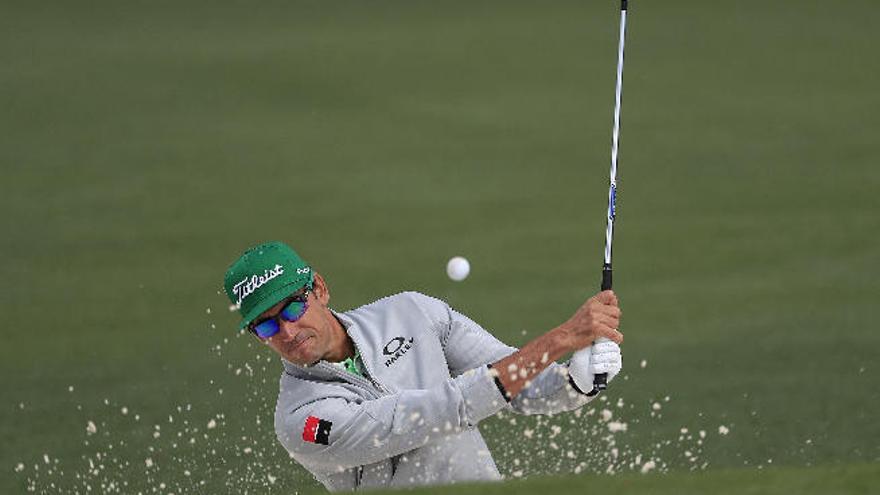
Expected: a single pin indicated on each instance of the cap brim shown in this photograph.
(271, 299)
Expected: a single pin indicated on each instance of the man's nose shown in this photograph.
(288, 328)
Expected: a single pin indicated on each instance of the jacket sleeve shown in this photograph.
(550, 392)
(336, 433)
(467, 345)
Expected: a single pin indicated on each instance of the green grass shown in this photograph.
(825, 480)
(143, 145)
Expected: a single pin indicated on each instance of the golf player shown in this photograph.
(390, 394)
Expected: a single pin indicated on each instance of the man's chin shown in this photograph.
(300, 354)
(296, 360)
(300, 360)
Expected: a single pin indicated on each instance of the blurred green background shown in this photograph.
(144, 145)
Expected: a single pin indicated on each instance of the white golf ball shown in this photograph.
(458, 268)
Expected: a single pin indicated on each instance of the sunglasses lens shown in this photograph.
(266, 329)
(294, 310)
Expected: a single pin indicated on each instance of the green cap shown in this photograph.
(263, 276)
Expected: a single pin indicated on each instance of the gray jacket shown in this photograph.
(413, 419)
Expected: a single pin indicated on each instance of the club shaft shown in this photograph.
(615, 140)
(600, 381)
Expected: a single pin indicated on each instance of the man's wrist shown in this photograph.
(503, 391)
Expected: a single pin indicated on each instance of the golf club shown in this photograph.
(600, 381)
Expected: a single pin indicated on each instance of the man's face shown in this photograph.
(314, 336)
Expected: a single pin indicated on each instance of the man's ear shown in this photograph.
(321, 290)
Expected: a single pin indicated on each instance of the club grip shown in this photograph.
(606, 276)
(600, 380)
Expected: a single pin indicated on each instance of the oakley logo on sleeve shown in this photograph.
(317, 430)
(396, 348)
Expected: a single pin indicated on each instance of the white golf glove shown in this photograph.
(601, 357)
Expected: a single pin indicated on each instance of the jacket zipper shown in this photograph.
(370, 385)
(370, 373)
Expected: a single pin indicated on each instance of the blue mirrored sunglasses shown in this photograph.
(294, 308)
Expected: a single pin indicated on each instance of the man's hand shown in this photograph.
(601, 357)
(598, 317)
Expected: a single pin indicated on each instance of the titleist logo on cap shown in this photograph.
(250, 284)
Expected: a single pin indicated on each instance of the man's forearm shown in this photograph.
(517, 370)
(598, 317)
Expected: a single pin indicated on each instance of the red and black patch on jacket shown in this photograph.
(317, 430)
